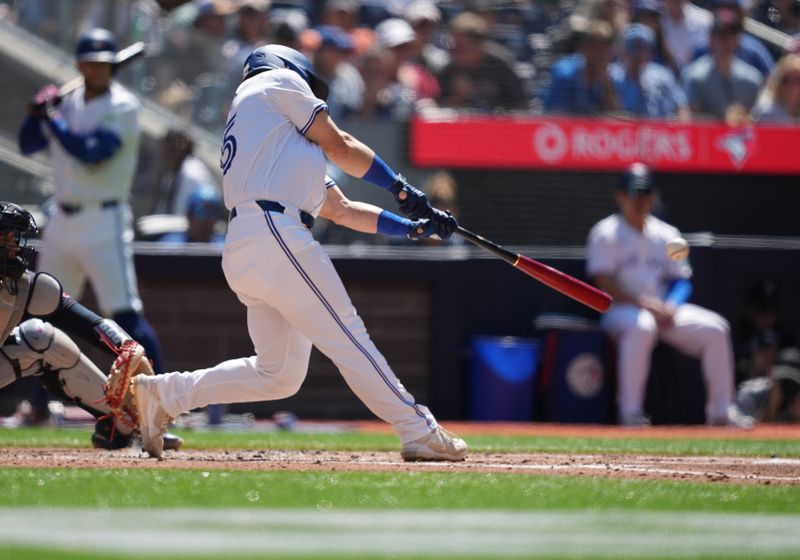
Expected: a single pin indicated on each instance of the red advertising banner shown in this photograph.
(602, 145)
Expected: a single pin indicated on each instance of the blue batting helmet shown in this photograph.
(97, 45)
(273, 57)
(637, 180)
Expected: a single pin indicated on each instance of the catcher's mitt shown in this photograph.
(130, 362)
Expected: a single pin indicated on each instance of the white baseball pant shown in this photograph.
(294, 299)
(94, 243)
(696, 331)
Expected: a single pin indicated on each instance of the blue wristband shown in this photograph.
(392, 224)
(380, 174)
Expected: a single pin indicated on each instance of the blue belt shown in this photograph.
(271, 206)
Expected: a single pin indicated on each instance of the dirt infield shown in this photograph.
(739, 470)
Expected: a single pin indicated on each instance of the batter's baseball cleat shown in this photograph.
(439, 445)
(153, 419)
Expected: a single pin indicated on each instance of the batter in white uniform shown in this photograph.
(276, 139)
(627, 257)
(93, 138)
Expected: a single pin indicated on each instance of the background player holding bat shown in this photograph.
(36, 322)
(277, 137)
(93, 138)
(627, 257)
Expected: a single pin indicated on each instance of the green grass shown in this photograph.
(231, 440)
(141, 487)
(595, 508)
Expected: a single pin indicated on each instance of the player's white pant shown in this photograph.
(695, 331)
(94, 243)
(294, 299)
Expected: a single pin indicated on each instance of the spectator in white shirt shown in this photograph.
(685, 29)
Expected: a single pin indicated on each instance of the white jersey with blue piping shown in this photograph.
(264, 153)
(79, 183)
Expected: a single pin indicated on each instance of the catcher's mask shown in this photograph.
(16, 224)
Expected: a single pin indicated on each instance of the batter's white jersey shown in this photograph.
(79, 183)
(636, 259)
(265, 158)
(294, 297)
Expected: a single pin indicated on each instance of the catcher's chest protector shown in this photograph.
(12, 306)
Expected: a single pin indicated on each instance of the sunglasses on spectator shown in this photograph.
(791, 79)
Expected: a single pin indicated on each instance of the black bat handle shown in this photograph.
(481, 241)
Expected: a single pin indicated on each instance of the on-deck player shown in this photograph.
(627, 257)
(36, 322)
(276, 139)
(93, 138)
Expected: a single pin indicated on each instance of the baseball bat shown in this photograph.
(547, 275)
(121, 58)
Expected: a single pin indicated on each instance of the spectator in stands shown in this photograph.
(344, 14)
(627, 258)
(399, 37)
(748, 48)
(613, 12)
(192, 51)
(685, 29)
(384, 96)
(204, 209)
(424, 17)
(783, 15)
(761, 333)
(475, 77)
(776, 397)
(648, 12)
(252, 31)
(182, 173)
(719, 84)
(646, 89)
(330, 62)
(581, 82)
(779, 101)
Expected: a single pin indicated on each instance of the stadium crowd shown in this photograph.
(665, 59)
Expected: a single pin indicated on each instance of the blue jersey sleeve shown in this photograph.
(31, 138)
(91, 148)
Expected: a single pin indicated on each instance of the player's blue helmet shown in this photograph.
(637, 180)
(97, 45)
(273, 57)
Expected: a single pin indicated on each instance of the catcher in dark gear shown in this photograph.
(35, 319)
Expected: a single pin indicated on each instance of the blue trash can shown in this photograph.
(502, 378)
(575, 383)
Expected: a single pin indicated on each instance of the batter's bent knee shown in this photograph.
(280, 385)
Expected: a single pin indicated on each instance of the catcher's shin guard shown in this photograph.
(41, 349)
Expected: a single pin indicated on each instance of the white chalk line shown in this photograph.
(327, 531)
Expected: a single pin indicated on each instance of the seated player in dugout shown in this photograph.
(36, 322)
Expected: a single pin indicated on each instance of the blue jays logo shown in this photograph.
(228, 147)
(738, 145)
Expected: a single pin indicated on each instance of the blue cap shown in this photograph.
(331, 36)
(637, 35)
(97, 45)
(204, 202)
(649, 6)
(637, 180)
